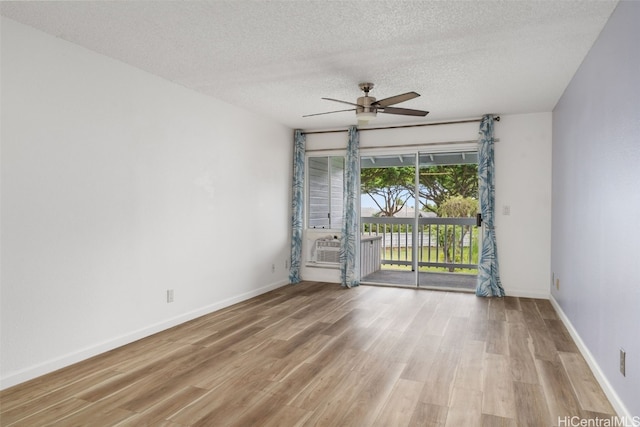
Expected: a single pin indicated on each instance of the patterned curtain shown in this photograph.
(297, 206)
(349, 257)
(488, 275)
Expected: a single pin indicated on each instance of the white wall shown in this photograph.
(596, 203)
(523, 182)
(116, 186)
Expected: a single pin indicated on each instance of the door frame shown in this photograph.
(416, 151)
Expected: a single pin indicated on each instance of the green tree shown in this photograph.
(389, 184)
(456, 207)
(438, 183)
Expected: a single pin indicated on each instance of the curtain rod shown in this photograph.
(497, 119)
(426, 144)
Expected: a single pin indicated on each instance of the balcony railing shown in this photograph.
(450, 243)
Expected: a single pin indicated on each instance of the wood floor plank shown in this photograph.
(401, 321)
(226, 364)
(589, 394)
(478, 328)
(105, 413)
(374, 389)
(497, 341)
(512, 303)
(439, 382)
(521, 352)
(48, 415)
(160, 412)
(418, 365)
(161, 385)
(262, 410)
(288, 416)
(319, 354)
(231, 412)
(523, 369)
(124, 380)
(199, 408)
(151, 351)
(530, 312)
(23, 393)
(394, 347)
(437, 323)
(299, 378)
(493, 421)
(335, 405)
(324, 382)
(519, 341)
(545, 309)
(401, 404)
(497, 309)
(460, 305)
(560, 336)
(559, 394)
(456, 332)
(531, 405)
(543, 346)
(514, 316)
(465, 408)
(428, 415)
(470, 372)
(44, 402)
(498, 387)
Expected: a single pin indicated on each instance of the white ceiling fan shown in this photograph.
(367, 107)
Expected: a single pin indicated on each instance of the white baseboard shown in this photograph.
(609, 391)
(93, 350)
(526, 293)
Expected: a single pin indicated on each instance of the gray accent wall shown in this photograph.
(595, 251)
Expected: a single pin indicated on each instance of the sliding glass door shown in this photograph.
(417, 219)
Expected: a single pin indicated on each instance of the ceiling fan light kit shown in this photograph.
(367, 107)
(365, 117)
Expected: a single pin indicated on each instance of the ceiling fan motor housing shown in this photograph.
(364, 105)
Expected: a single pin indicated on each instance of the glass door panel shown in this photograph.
(388, 215)
(447, 194)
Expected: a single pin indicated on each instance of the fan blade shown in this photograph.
(344, 102)
(396, 99)
(403, 111)
(329, 112)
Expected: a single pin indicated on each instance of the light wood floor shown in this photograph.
(318, 354)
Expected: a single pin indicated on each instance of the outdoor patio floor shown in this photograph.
(457, 281)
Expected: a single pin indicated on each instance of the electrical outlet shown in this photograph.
(273, 268)
(623, 356)
(169, 295)
(558, 284)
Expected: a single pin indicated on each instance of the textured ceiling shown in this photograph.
(278, 58)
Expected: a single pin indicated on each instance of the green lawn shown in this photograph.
(401, 254)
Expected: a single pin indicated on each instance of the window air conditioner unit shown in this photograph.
(327, 251)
